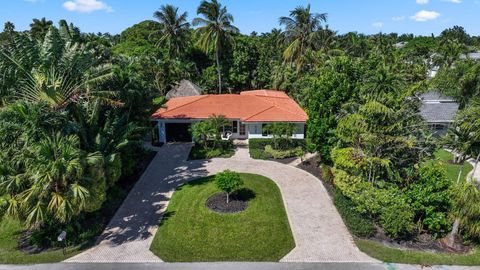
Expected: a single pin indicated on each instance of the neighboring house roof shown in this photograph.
(184, 89)
(437, 108)
(434, 96)
(473, 56)
(248, 106)
(439, 112)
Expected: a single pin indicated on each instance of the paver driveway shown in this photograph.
(319, 232)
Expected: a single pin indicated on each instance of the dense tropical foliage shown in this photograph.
(74, 106)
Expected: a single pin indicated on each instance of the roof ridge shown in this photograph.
(259, 112)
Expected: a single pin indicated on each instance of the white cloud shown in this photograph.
(399, 18)
(86, 6)
(425, 15)
(377, 24)
(454, 1)
(422, 2)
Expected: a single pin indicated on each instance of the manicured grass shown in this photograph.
(10, 231)
(393, 255)
(445, 158)
(189, 232)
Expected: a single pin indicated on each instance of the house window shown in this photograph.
(242, 129)
(235, 126)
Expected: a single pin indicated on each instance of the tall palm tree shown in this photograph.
(215, 30)
(174, 28)
(39, 27)
(9, 27)
(301, 30)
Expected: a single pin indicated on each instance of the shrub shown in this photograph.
(257, 147)
(397, 220)
(281, 154)
(430, 199)
(326, 173)
(258, 154)
(228, 181)
(358, 224)
(283, 143)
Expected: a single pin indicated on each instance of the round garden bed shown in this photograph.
(218, 203)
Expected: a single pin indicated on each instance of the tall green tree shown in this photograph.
(174, 29)
(301, 32)
(39, 27)
(215, 30)
(55, 71)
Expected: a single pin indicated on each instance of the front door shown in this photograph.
(242, 131)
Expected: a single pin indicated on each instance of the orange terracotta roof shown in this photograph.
(248, 106)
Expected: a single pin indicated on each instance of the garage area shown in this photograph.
(178, 132)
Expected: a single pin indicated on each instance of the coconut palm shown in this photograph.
(174, 28)
(301, 29)
(39, 27)
(9, 27)
(215, 30)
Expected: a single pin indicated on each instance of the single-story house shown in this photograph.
(438, 111)
(248, 111)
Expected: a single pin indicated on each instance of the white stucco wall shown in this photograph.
(255, 131)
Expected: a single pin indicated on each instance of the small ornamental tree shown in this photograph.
(228, 181)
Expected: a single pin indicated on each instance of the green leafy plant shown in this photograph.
(228, 181)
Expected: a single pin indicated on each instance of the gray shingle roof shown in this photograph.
(434, 96)
(473, 56)
(185, 89)
(439, 112)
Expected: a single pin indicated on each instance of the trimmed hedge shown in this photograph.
(224, 149)
(257, 146)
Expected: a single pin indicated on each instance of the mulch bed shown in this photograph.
(218, 203)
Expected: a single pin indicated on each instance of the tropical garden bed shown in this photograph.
(371, 239)
(16, 248)
(190, 232)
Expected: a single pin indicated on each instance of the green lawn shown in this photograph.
(393, 255)
(452, 169)
(9, 254)
(190, 232)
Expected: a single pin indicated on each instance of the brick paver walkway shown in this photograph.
(319, 232)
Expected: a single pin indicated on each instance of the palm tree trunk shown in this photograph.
(450, 239)
(460, 172)
(219, 72)
(475, 167)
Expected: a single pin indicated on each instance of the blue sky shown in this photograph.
(420, 17)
